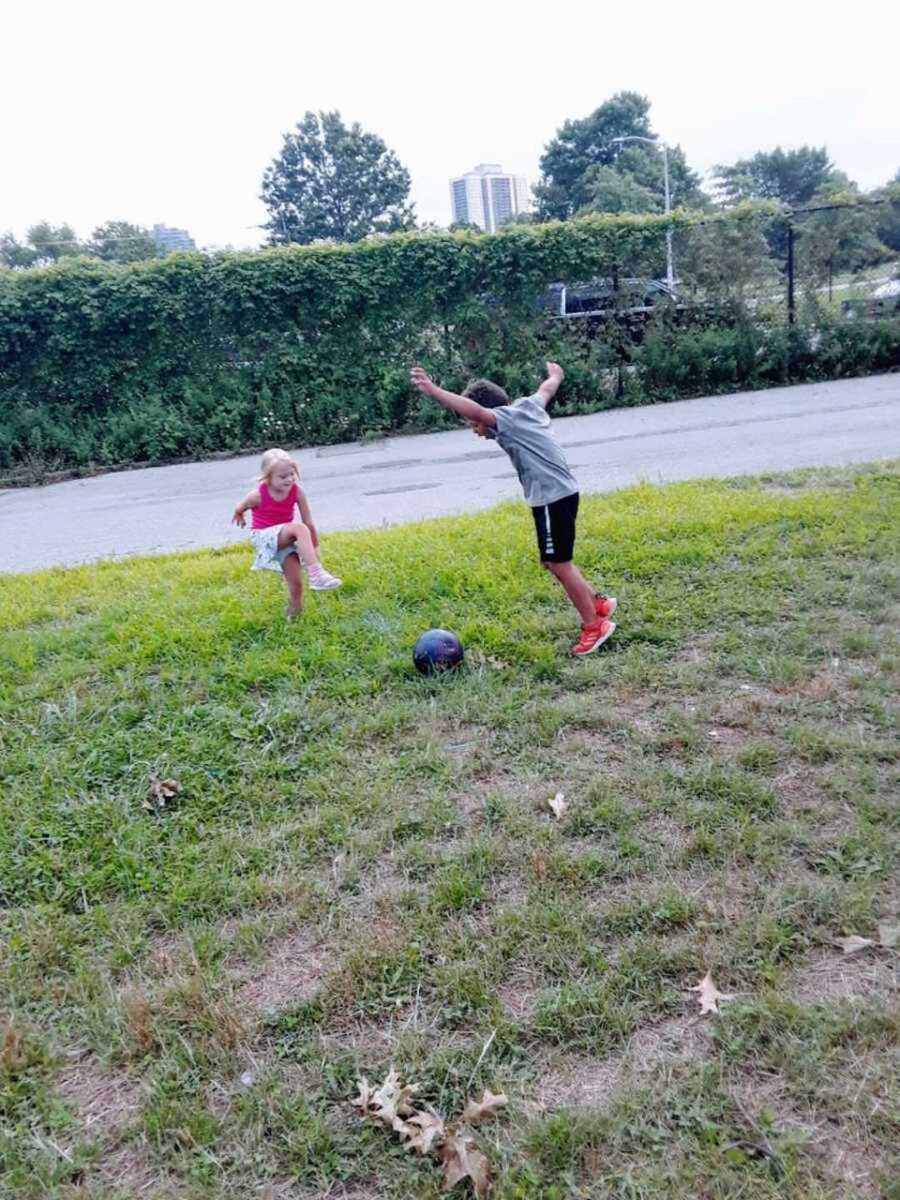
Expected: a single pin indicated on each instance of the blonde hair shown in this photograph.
(271, 459)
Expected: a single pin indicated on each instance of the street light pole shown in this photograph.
(670, 272)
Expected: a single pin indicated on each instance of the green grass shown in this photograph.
(361, 868)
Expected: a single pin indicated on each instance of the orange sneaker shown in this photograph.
(605, 606)
(593, 636)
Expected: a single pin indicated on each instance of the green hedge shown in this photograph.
(104, 364)
(674, 363)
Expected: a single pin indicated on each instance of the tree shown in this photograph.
(887, 215)
(838, 238)
(791, 176)
(582, 146)
(584, 143)
(726, 260)
(14, 253)
(118, 241)
(53, 242)
(334, 183)
(614, 192)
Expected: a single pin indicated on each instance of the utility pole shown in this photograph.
(790, 272)
(670, 271)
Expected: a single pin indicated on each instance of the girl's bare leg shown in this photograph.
(296, 534)
(293, 577)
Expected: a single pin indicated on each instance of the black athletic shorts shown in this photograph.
(555, 527)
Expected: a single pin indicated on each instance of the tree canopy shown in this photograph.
(119, 241)
(569, 165)
(333, 182)
(791, 176)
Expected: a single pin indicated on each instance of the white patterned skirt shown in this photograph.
(265, 542)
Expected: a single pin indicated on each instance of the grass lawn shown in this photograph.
(361, 868)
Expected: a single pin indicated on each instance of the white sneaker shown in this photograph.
(323, 582)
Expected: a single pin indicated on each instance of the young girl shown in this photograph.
(281, 542)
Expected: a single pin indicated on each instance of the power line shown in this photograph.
(788, 212)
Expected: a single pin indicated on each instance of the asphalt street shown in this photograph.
(159, 510)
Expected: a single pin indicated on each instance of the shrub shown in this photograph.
(109, 363)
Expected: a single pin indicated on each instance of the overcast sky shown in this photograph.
(170, 112)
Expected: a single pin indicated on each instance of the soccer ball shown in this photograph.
(437, 650)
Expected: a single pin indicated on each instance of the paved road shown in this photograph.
(163, 509)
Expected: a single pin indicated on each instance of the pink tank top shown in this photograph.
(273, 512)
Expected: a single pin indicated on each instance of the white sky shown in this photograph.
(170, 112)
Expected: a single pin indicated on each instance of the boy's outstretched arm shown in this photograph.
(548, 389)
(466, 408)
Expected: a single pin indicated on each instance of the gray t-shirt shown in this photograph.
(523, 431)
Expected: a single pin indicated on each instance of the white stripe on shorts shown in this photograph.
(548, 541)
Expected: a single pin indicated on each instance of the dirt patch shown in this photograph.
(127, 1171)
(835, 976)
(104, 1099)
(292, 972)
(800, 793)
(518, 996)
(726, 736)
(841, 1156)
(579, 1082)
(664, 832)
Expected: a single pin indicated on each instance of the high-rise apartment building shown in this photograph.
(487, 197)
(168, 239)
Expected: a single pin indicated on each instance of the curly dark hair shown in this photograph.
(485, 393)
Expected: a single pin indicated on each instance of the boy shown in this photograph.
(522, 429)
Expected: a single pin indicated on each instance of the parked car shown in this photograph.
(606, 297)
(886, 291)
(873, 307)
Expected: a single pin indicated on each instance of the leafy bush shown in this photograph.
(104, 363)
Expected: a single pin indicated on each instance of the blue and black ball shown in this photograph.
(437, 650)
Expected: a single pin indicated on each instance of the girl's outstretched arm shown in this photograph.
(251, 500)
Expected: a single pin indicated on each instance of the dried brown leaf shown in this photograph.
(427, 1129)
(854, 943)
(477, 1110)
(460, 1160)
(159, 792)
(364, 1099)
(709, 995)
(388, 1103)
(538, 866)
(558, 805)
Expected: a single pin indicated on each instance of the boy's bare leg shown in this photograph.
(296, 534)
(577, 589)
(293, 577)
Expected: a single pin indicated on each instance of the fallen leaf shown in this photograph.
(538, 866)
(461, 1160)
(854, 943)
(558, 805)
(889, 933)
(709, 994)
(364, 1099)
(497, 663)
(477, 1110)
(429, 1129)
(159, 792)
(388, 1104)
